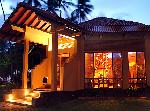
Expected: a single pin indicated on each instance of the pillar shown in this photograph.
(82, 64)
(25, 64)
(54, 61)
(48, 55)
(147, 59)
(125, 69)
(61, 75)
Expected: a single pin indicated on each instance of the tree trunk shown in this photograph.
(3, 10)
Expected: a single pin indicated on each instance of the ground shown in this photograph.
(122, 104)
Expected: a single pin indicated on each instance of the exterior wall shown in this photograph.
(120, 42)
(114, 42)
(38, 73)
(147, 58)
(73, 70)
(38, 36)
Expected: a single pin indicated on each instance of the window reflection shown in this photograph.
(104, 70)
(89, 65)
(104, 73)
(137, 77)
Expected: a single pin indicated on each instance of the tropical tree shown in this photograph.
(33, 2)
(52, 5)
(57, 6)
(65, 5)
(2, 10)
(83, 8)
(4, 58)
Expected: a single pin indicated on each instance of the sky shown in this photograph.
(132, 10)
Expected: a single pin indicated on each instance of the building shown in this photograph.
(117, 52)
(99, 53)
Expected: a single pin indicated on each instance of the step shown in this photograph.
(20, 102)
(34, 94)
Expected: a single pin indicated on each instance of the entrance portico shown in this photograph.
(60, 38)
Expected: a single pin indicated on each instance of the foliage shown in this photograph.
(7, 86)
(4, 58)
(83, 8)
(33, 2)
(11, 60)
(2, 10)
(56, 6)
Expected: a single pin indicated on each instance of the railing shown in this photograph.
(137, 82)
(103, 82)
(114, 83)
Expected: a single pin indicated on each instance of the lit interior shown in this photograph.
(105, 69)
(38, 36)
(103, 65)
(65, 42)
(136, 67)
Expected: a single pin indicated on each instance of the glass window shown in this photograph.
(89, 65)
(117, 70)
(137, 76)
(104, 70)
(132, 64)
(140, 65)
(103, 65)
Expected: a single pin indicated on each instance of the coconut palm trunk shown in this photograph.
(2, 10)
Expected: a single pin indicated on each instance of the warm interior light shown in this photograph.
(26, 92)
(10, 98)
(36, 94)
(38, 36)
(132, 64)
(65, 42)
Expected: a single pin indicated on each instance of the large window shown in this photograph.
(117, 70)
(137, 77)
(103, 70)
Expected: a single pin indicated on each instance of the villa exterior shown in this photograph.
(99, 53)
(116, 53)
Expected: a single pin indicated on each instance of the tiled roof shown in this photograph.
(103, 24)
(26, 15)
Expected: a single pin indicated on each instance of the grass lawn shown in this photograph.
(128, 104)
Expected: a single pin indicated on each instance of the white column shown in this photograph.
(25, 64)
(125, 69)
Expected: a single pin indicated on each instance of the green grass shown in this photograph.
(129, 104)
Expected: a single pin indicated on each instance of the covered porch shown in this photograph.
(62, 49)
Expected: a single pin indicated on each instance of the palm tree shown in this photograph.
(33, 2)
(65, 5)
(57, 6)
(83, 8)
(3, 10)
(52, 5)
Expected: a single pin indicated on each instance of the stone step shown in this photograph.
(33, 94)
(27, 100)
(21, 101)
